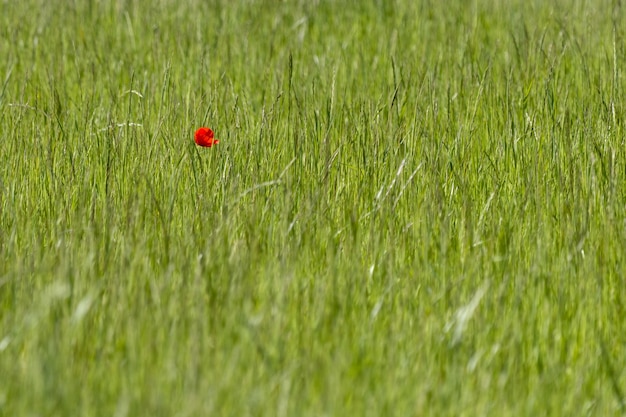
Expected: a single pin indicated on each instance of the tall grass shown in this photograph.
(416, 208)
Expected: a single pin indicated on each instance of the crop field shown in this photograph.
(415, 208)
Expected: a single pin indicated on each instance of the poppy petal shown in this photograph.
(205, 137)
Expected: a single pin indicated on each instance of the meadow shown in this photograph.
(416, 208)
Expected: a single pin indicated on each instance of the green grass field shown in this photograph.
(416, 208)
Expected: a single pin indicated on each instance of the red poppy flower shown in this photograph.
(204, 137)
